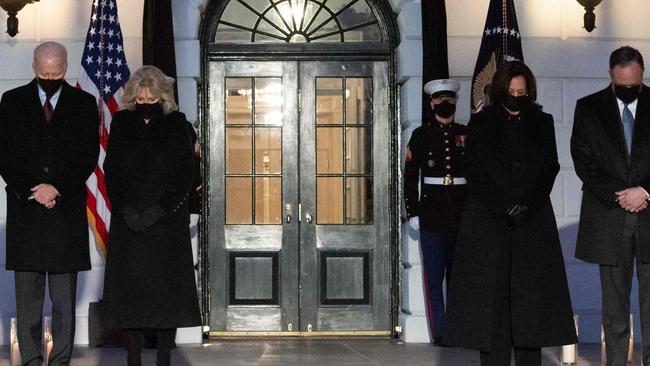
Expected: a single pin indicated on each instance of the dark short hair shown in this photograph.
(623, 56)
(502, 77)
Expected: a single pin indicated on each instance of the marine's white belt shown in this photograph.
(445, 181)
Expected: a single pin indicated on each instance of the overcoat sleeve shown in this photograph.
(486, 177)
(594, 178)
(412, 176)
(178, 187)
(542, 182)
(114, 164)
(12, 169)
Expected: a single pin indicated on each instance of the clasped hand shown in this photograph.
(632, 199)
(45, 194)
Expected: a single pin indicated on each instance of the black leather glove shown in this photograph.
(517, 215)
(151, 215)
(132, 219)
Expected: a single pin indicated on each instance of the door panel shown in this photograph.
(344, 134)
(253, 195)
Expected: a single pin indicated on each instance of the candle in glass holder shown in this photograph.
(47, 339)
(570, 352)
(13, 340)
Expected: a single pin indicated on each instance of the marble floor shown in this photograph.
(313, 352)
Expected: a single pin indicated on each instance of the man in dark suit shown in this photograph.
(610, 146)
(49, 144)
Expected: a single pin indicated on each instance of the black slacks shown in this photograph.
(30, 295)
(134, 341)
(616, 284)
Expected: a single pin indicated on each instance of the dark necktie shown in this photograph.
(628, 127)
(47, 109)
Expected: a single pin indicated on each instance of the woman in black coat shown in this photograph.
(509, 287)
(149, 279)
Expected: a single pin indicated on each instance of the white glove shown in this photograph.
(414, 223)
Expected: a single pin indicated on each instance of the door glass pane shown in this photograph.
(268, 101)
(357, 14)
(266, 27)
(322, 17)
(228, 34)
(359, 199)
(237, 13)
(369, 33)
(239, 200)
(329, 150)
(358, 150)
(268, 200)
(358, 101)
(268, 150)
(239, 93)
(329, 101)
(239, 150)
(274, 16)
(329, 200)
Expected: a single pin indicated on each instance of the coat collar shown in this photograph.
(61, 104)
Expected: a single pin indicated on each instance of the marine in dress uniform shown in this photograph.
(435, 192)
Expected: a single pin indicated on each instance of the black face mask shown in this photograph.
(50, 86)
(445, 109)
(148, 111)
(627, 94)
(516, 104)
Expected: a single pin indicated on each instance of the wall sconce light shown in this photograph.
(12, 7)
(590, 17)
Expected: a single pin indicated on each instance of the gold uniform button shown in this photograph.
(446, 141)
(446, 149)
(447, 157)
(446, 133)
(448, 175)
(448, 167)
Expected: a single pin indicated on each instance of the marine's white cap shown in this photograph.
(440, 85)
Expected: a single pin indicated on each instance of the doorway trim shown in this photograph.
(379, 51)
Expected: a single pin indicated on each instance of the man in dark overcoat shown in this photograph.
(49, 144)
(610, 147)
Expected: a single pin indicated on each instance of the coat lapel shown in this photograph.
(611, 120)
(34, 108)
(61, 104)
(641, 135)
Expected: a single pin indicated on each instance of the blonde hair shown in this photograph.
(160, 85)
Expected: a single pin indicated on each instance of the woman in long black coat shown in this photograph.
(149, 279)
(509, 287)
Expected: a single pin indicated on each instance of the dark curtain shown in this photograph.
(434, 49)
(158, 37)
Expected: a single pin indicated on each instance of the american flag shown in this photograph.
(103, 73)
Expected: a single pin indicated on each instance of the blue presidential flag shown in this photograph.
(501, 43)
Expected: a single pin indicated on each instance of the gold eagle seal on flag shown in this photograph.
(481, 86)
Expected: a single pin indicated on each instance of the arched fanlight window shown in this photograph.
(297, 21)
